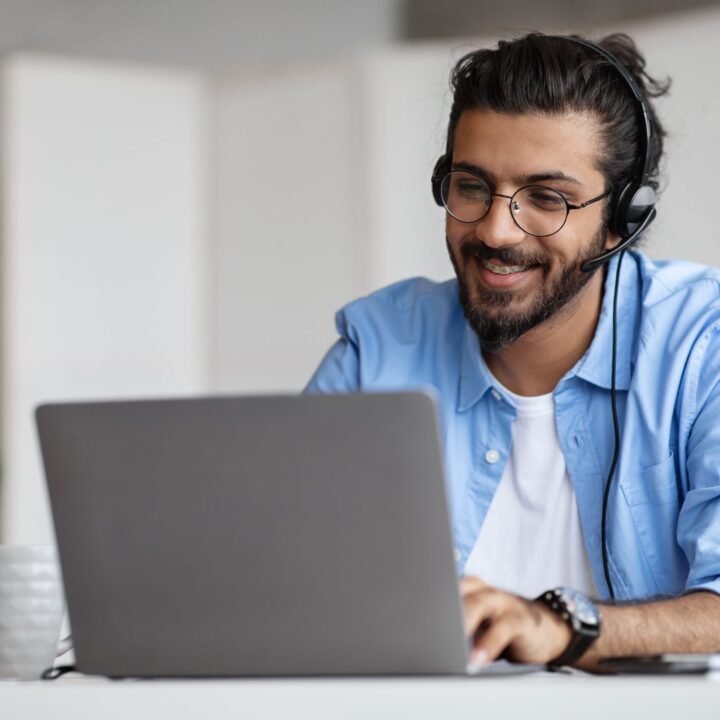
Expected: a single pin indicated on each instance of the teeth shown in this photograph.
(504, 269)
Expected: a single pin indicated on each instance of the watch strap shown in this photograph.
(574, 651)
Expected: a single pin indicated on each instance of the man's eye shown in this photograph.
(473, 190)
(547, 200)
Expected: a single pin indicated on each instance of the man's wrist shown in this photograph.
(559, 633)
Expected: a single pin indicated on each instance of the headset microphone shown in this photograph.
(596, 262)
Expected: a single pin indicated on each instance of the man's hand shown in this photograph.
(506, 625)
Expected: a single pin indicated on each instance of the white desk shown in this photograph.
(538, 697)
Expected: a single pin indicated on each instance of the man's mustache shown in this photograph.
(506, 255)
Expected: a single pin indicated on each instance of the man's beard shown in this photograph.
(495, 329)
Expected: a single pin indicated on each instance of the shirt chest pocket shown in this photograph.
(653, 497)
(655, 485)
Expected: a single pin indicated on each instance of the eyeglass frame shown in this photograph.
(568, 205)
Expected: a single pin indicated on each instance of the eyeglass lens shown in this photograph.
(535, 209)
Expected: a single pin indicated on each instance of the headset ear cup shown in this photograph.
(442, 167)
(633, 205)
(641, 204)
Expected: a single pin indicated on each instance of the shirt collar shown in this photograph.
(595, 366)
(475, 378)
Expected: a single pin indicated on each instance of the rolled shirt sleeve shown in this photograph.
(698, 529)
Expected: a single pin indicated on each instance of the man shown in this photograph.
(544, 134)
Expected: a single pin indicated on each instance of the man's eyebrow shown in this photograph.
(553, 175)
(476, 169)
(519, 179)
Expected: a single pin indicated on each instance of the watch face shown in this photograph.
(579, 606)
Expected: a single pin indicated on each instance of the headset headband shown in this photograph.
(644, 122)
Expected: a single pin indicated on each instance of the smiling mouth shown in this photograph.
(504, 269)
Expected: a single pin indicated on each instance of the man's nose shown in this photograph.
(498, 228)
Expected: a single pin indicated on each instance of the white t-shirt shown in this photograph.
(531, 539)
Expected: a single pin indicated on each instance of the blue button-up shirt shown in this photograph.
(664, 510)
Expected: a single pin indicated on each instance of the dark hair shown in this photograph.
(552, 74)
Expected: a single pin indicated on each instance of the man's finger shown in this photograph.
(481, 605)
(494, 640)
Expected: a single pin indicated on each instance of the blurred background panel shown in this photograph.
(215, 35)
(190, 190)
(104, 248)
(287, 188)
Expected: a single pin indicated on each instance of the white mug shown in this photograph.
(31, 610)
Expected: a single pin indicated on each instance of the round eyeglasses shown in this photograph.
(535, 209)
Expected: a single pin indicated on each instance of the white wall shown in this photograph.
(406, 102)
(103, 266)
(289, 242)
(686, 48)
(212, 35)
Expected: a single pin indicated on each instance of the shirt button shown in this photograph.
(496, 394)
(492, 456)
(456, 555)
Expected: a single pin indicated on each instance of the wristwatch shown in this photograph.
(581, 614)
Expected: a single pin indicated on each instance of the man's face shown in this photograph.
(511, 281)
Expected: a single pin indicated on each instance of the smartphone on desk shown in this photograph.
(665, 664)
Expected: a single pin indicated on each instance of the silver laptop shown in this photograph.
(254, 536)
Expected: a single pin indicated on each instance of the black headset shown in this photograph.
(632, 206)
(632, 210)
